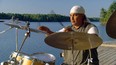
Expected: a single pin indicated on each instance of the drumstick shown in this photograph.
(62, 24)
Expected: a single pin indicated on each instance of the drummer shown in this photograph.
(80, 23)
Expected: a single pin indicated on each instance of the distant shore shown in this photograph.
(40, 17)
(3, 20)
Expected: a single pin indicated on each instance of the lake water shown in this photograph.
(35, 43)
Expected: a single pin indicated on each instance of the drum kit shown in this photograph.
(61, 40)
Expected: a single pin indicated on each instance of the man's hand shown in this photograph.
(67, 29)
(45, 29)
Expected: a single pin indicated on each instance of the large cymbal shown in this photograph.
(111, 25)
(23, 27)
(79, 41)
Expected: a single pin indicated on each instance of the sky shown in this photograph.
(92, 7)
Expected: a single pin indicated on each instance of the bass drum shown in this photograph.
(47, 58)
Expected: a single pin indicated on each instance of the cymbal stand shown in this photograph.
(27, 34)
(72, 47)
(16, 39)
(90, 57)
(16, 35)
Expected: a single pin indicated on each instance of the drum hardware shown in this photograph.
(89, 61)
(90, 57)
(31, 60)
(23, 27)
(13, 61)
(14, 24)
(16, 59)
(16, 35)
(27, 34)
(10, 62)
(16, 39)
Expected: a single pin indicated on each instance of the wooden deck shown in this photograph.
(107, 54)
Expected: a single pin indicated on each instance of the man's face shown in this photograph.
(76, 19)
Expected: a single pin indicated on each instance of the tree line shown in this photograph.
(35, 17)
(105, 14)
(39, 17)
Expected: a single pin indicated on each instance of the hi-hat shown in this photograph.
(23, 27)
(73, 40)
(111, 25)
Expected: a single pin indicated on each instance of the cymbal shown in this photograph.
(73, 40)
(111, 25)
(23, 27)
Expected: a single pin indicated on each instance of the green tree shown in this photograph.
(104, 15)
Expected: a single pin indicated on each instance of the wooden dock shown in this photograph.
(107, 54)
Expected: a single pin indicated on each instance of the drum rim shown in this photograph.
(52, 57)
(20, 53)
(29, 57)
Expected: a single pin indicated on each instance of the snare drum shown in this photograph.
(45, 57)
(29, 60)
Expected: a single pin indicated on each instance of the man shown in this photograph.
(80, 23)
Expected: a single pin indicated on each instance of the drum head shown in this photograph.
(46, 57)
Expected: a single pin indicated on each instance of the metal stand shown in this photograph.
(16, 21)
(16, 39)
(27, 34)
(72, 47)
(90, 59)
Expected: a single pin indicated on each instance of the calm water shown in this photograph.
(35, 43)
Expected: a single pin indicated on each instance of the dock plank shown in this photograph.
(107, 54)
